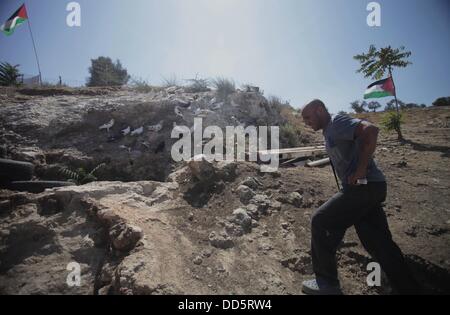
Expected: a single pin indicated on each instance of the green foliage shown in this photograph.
(290, 136)
(358, 106)
(442, 101)
(106, 73)
(81, 176)
(392, 121)
(224, 88)
(9, 74)
(375, 63)
(373, 106)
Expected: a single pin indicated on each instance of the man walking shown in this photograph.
(350, 144)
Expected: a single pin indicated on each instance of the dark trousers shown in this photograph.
(360, 206)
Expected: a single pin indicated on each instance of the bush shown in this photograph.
(81, 176)
(9, 74)
(141, 86)
(171, 81)
(198, 85)
(442, 101)
(224, 88)
(106, 73)
(291, 136)
(392, 121)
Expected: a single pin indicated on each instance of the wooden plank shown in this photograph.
(305, 153)
(291, 150)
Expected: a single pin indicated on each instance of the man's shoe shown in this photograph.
(314, 287)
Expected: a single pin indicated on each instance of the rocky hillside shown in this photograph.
(149, 226)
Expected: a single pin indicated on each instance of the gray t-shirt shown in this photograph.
(343, 149)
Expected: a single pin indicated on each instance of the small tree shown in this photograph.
(391, 105)
(375, 63)
(442, 101)
(358, 107)
(9, 74)
(106, 73)
(373, 106)
(224, 88)
(392, 121)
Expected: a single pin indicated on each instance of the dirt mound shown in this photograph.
(149, 226)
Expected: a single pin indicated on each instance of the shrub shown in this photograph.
(392, 121)
(81, 176)
(9, 74)
(442, 101)
(170, 81)
(106, 73)
(224, 88)
(141, 86)
(198, 85)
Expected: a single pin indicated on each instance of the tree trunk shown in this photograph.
(399, 131)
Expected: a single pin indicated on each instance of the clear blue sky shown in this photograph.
(295, 49)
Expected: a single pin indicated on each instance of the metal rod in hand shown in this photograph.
(335, 176)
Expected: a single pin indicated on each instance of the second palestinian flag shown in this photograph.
(380, 88)
(19, 17)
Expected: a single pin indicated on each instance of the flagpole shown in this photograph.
(396, 103)
(395, 90)
(35, 52)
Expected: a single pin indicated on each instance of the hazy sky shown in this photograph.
(295, 49)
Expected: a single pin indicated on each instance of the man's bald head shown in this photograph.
(315, 114)
(315, 105)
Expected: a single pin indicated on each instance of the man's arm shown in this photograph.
(367, 135)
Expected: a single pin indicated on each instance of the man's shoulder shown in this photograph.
(342, 126)
(343, 120)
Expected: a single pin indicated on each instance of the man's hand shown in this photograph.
(359, 174)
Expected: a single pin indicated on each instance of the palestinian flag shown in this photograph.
(19, 17)
(380, 88)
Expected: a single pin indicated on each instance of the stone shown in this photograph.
(245, 194)
(226, 170)
(252, 211)
(221, 241)
(275, 205)
(242, 218)
(262, 202)
(197, 260)
(294, 198)
(251, 182)
(124, 237)
(201, 168)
